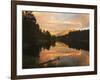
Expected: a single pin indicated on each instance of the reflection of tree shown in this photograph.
(35, 39)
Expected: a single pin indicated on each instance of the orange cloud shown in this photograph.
(60, 23)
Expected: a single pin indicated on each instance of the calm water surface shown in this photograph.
(59, 55)
(62, 55)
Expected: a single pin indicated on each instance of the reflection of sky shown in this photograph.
(61, 23)
(68, 56)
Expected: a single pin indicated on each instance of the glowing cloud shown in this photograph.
(61, 23)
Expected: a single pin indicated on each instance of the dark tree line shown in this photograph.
(80, 35)
(76, 39)
(33, 37)
(32, 34)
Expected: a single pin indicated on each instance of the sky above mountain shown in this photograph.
(61, 23)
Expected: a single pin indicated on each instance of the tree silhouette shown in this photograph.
(32, 34)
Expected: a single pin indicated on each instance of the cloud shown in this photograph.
(57, 23)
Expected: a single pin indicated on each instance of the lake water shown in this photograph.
(60, 55)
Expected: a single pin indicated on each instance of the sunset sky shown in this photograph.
(61, 23)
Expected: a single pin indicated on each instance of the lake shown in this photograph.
(60, 55)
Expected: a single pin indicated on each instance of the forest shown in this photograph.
(34, 39)
(76, 39)
(34, 36)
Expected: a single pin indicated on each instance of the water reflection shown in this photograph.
(42, 49)
(66, 56)
(60, 55)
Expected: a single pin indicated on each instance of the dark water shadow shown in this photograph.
(31, 54)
